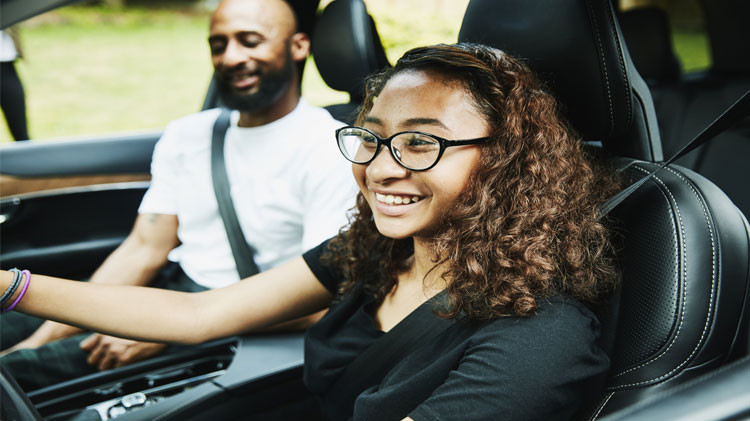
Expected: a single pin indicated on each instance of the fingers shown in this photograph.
(106, 352)
(139, 351)
(90, 342)
(97, 351)
(108, 361)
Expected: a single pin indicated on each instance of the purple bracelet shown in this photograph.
(23, 291)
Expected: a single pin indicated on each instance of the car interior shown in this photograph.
(677, 329)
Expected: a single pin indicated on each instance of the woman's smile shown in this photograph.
(394, 204)
(396, 199)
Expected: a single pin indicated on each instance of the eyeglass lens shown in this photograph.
(413, 150)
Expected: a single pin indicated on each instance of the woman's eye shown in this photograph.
(369, 142)
(416, 141)
(420, 143)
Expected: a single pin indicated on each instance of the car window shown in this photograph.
(689, 36)
(93, 70)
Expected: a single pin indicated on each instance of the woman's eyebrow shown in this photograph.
(421, 121)
(416, 121)
(373, 120)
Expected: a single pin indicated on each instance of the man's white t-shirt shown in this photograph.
(8, 50)
(290, 186)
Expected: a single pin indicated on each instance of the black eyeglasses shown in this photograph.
(415, 151)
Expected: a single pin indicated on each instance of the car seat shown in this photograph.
(685, 103)
(681, 307)
(346, 48)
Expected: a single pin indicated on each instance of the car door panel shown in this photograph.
(67, 205)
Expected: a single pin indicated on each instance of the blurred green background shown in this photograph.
(105, 68)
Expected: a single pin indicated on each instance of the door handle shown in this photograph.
(8, 208)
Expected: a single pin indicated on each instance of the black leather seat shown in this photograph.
(346, 48)
(681, 308)
(720, 395)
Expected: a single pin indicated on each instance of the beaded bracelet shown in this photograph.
(13, 286)
(27, 275)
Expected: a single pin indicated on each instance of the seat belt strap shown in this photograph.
(730, 117)
(241, 250)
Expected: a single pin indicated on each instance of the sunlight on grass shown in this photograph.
(692, 49)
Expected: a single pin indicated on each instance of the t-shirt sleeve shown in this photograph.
(539, 372)
(327, 276)
(160, 196)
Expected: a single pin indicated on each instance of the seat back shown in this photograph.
(346, 48)
(683, 247)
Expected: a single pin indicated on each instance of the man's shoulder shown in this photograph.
(192, 129)
(200, 119)
(318, 118)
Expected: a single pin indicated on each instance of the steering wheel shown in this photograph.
(16, 406)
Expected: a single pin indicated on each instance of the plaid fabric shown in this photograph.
(64, 360)
(49, 364)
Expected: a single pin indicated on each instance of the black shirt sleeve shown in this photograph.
(327, 275)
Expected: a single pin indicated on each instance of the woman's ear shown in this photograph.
(300, 46)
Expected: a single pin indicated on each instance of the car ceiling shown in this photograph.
(14, 11)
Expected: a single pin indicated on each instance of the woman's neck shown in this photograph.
(424, 269)
(418, 283)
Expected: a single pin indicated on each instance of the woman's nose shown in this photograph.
(385, 167)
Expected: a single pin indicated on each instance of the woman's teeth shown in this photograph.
(396, 200)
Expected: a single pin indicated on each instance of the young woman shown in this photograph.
(475, 198)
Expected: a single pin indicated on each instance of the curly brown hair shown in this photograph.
(528, 223)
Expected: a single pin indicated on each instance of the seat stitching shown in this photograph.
(713, 281)
(602, 405)
(679, 280)
(603, 68)
(624, 69)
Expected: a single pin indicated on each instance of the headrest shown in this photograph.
(576, 47)
(649, 40)
(728, 30)
(346, 47)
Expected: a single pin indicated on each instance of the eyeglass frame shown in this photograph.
(444, 144)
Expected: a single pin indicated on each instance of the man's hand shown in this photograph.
(107, 352)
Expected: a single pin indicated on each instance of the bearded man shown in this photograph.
(289, 186)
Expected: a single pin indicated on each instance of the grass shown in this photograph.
(96, 70)
(692, 48)
(92, 70)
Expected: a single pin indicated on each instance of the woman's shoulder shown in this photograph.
(558, 321)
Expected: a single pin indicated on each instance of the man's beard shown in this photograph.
(271, 86)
